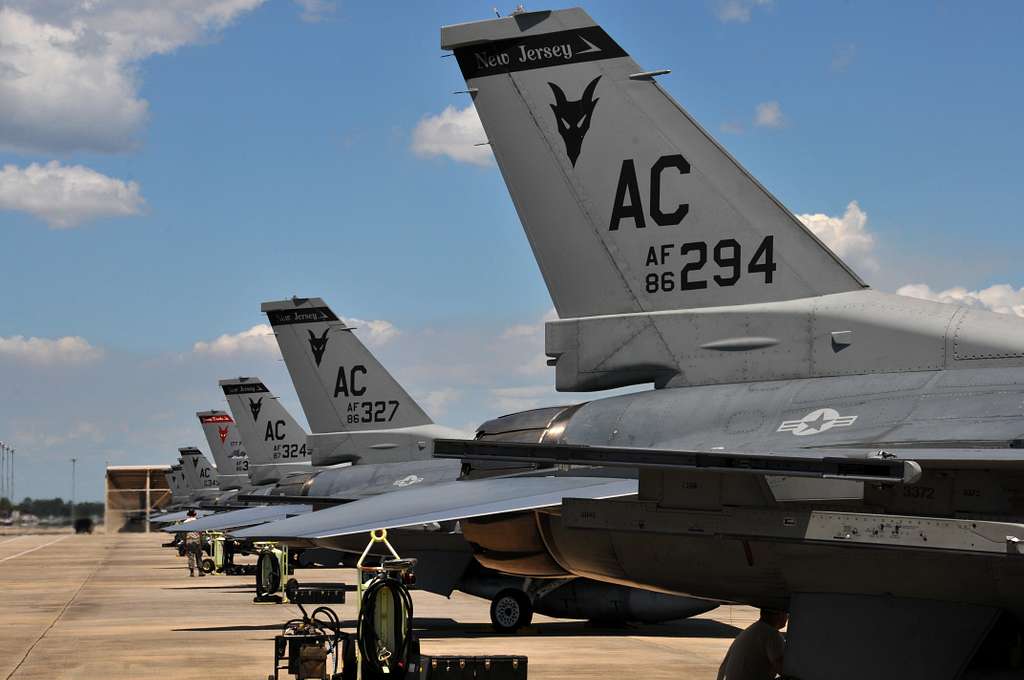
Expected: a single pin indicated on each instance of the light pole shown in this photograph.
(73, 491)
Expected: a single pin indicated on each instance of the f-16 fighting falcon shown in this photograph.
(336, 377)
(811, 444)
(193, 481)
(274, 462)
(893, 535)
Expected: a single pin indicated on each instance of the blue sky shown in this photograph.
(166, 166)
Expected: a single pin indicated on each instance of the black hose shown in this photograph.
(366, 633)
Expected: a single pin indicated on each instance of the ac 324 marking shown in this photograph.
(290, 451)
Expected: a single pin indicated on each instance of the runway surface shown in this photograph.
(111, 607)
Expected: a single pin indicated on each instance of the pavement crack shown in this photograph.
(60, 614)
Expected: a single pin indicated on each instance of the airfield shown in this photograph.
(121, 606)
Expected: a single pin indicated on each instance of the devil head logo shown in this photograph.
(318, 345)
(573, 118)
(254, 407)
(222, 432)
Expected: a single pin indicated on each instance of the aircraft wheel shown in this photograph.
(206, 565)
(510, 611)
(268, 575)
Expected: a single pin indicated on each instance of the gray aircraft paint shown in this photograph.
(199, 474)
(245, 517)
(639, 149)
(274, 442)
(176, 483)
(427, 504)
(808, 360)
(225, 444)
(341, 385)
(417, 478)
(357, 411)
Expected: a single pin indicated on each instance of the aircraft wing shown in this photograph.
(854, 465)
(235, 519)
(317, 501)
(897, 463)
(443, 502)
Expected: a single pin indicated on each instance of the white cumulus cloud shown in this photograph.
(738, 11)
(768, 114)
(453, 133)
(49, 351)
(378, 331)
(1002, 298)
(847, 236)
(314, 11)
(436, 402)
(257, 340)
(68, 70)
(66, 195)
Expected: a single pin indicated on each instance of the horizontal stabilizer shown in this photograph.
(441, 503)
(825, 464)
(241, 518)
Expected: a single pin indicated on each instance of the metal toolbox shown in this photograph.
(472, 668)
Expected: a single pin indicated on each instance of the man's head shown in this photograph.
(191, 513)
(775, 618)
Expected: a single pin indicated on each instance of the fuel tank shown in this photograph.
(589, 600)
(583, 598)
(512, 543)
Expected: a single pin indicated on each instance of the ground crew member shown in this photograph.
(756, 653)
(193, 546)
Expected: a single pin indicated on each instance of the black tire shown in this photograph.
(510, 611)
(268, 574)
(206, 565)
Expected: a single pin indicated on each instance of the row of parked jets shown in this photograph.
(810, 444)
(262, 456)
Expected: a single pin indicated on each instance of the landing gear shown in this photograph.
(206, 565)
(271, 572)
(510, 611)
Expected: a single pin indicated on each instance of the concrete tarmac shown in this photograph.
(120, 606)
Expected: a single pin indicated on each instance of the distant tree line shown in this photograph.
(50, 507)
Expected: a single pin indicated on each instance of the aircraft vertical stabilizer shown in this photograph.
(276, 444)
(629, 205)
(341, 385)
(226, 446)
(199, 474)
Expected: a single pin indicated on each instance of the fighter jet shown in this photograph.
(179, 492)
(193, 482)
(277, 457)
(336, 377)
(810, 443)
(281, 454)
